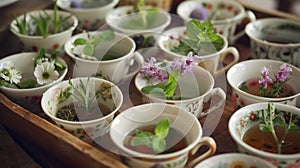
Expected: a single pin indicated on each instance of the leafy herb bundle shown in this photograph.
(45, 24)
(270, 117)
(90, 43)
(155, 141)
(201, 39)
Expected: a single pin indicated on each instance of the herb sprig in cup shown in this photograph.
(201, 39)
(166, 74)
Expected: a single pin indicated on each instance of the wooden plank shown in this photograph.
(55, 143)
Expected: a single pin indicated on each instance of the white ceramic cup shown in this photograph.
(89, 18)
(230, 14)
(251, 69)
(114, 70)
(87, 130)
(170, 39)
(150, 114)
(196, 87)
(53, 42)
(240, 122)
(276, 39)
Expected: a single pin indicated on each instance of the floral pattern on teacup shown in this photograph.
(235, 164)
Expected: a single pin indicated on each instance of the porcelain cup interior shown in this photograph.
(193, 90)
(240, 122)
(251, 69)
(275, 39)
(115, 70)
(150, 114)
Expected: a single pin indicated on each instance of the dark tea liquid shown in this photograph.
(252, 87)
(175, 141)
(263, 140)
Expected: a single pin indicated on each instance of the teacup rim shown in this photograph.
(14, 30)
(143, 155)
(53, 117)
(183, 28)
(138, 77)
(247, 109)
(85, 10)
(264, 21)
(229, 74)
(132, 32)
(33, 54)
(123, 36)
(216, 22)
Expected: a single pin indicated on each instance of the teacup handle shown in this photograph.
(227, 51)
(251, 16)
(139, 59)
(215, 92)
(210, 142)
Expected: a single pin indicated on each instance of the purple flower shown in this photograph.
(283, 73)
(176, 64)
(151, 71)
(188, 62)
(265, 77)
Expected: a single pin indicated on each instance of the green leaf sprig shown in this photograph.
(270, 117)
(43, 23)
(147, 18)
(201, 39)
(161, 89)
(155, 141)
(89, 44)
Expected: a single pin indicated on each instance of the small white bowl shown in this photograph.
(53, 42)
(234, 160)
(89, 18)
(25, 63)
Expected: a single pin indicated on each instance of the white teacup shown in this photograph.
(195, 87)
(251, 69)
(170, 39)
(113, 70)
(240, 122)
(149, 115)
(229, 14)
(276, 39)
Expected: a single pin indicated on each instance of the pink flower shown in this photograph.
(283, 73)
(151, 71)
(265, 77)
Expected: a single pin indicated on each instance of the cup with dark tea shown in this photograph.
(269, 131)
(157, 134)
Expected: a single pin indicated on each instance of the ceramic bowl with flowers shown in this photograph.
(179, 82)
(85, 107)
(90, 13)
(263, 80)
(25, 76)
(48, 29)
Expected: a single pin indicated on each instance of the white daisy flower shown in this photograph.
(45, 73)
(10, 73)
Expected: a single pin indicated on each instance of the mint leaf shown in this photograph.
(79, 41)
(149, 89)
(158, 145)
(172, 83)
(162, 128)
(142, 138)
(88, 49)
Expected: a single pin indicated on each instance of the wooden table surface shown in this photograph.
(49, 146)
